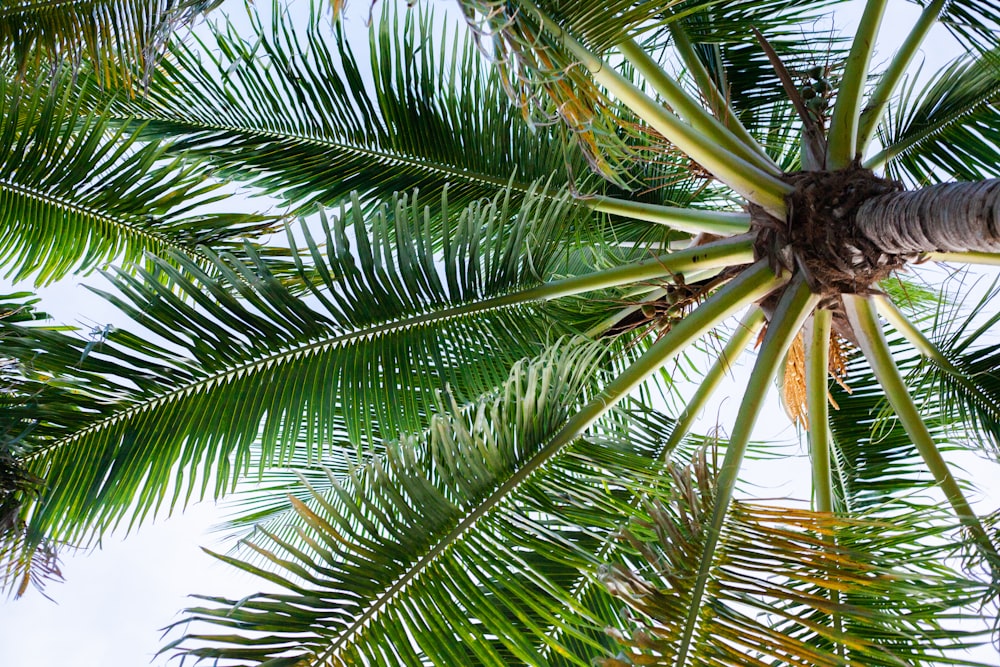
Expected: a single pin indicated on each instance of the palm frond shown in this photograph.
(18, 417)
(967, 390)
(76, 193)
(788, 586)
(503, 589)
(381, 542)
(262, 364)
(714, 22)
(975, 23)
(289, 110)
(875, 457)
(121, 39)
(947, 126)
(741, 69)
(488, 508)
(548, 83)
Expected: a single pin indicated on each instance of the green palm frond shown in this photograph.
(600, 27)
(946, 128)
(291, 111)
(268, 503)
(974, 23)
(548, 84)
(788, 586)
(76, 193)
(738, 65)
(875, 459)
(18, 417)
(957, 399)
(511, 506)
(401, 523)
(267, 366)
(967, 387)
(121, 39)
(398, 560)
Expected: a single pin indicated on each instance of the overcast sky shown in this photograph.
(109, 611)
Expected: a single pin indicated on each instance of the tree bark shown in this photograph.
(951, 217)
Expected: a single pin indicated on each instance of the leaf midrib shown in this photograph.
(283, 356)
(124, 223)
(381, 157)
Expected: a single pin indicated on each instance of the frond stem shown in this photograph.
(843, 138)
(692, 111)
(817, 344)
(716, 99)
(887, 309)
(817, 352)
(694, 221)
(749, 181)
(891, 77)
(986, 258)
(745, 332)
(793, 308)
(864, 320)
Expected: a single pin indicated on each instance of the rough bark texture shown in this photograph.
(952, 217)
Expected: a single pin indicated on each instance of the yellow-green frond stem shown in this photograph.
(891, 78)
(793, 309)
(754, 184)
(887, 309)
(726, 252)
(817, 351)
(746, 332)
(692, 111)
(843, 138)
(817, 347)
(864, 321)
(716, 99)
(816, 333)
(689, 220)
(984, 258)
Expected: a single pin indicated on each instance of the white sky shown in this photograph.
(110, 610)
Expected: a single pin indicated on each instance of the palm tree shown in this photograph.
(451, 410)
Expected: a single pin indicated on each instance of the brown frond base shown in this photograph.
(821, 240)
(820, 237)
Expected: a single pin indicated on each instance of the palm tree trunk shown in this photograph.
(951, 217)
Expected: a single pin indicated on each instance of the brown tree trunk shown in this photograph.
(951, 217)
